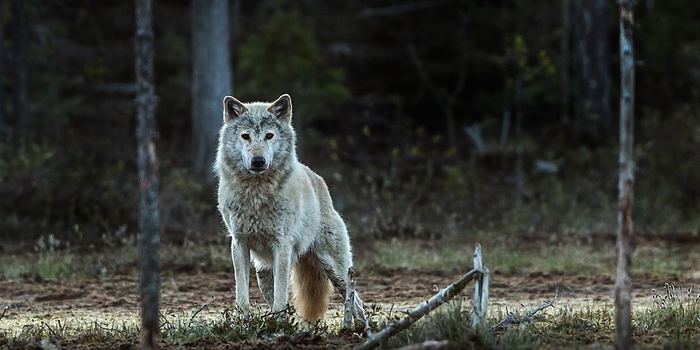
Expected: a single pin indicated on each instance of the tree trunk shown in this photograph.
(519, 173)
(19, 69)
(565, 59)
(625, 228)
(3, 121)
(149, 221)
(592, 115)
(211, 79)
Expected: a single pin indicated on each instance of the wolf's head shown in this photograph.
(256, 138)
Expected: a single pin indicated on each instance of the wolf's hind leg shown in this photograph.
(266, 283)
(340, 282)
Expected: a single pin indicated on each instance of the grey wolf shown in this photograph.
(278, 212)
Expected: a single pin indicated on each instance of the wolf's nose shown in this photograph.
(258, 162)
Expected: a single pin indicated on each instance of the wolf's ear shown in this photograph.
(282, 108)
(232, 109)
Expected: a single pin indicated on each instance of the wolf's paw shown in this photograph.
(242, 313)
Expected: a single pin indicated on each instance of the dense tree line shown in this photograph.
(383, 93)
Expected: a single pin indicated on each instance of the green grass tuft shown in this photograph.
(673, 317)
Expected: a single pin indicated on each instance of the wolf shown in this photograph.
(278, 212)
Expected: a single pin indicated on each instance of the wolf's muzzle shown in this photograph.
(257, 164)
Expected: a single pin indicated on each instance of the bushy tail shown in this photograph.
(311, 290)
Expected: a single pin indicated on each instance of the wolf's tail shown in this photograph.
(311, 289)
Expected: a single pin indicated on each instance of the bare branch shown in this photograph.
(481, 293)
(423, 74)
(529, 318)
(195, 314)
(423, 309)
(7, 307)
(349, 300)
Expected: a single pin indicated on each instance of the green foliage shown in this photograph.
(283, 56)
(668, 168)
(386, 148)
(185, 200)
(54, 188)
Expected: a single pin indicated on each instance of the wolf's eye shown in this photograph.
(269, 135)
(245, 137)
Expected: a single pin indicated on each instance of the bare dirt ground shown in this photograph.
(114, 301)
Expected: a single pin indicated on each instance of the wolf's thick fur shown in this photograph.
(278, 212)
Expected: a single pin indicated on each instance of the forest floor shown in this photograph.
(112, 302)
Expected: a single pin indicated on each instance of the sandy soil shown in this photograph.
(113, 301)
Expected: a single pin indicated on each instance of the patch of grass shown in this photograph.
(674, 317)
(574, 258)
(563, 327)
(54, 335)
(175, 329)
(416, 254)
(450, 256)
(258, 325)
(672, 321)
(65, 262)
(590, 323)
(451, 322)
(519, 257)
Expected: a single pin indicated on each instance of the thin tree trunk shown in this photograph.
(592, 115)
(211, 79)
(625, 228)
(19, 69)
(149, 221)
(3, 121)
(565, 43)
(519, 173)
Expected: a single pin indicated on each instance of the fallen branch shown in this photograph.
(349, 300)
(7, 307)
(529, 318)
(195, 314)
(481, 293)
(423, 309)
(165, 321)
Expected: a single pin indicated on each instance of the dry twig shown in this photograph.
(195, 314)
(423, 309)
(481, 293)
(7, 307)
(529, 318)
(349, 300)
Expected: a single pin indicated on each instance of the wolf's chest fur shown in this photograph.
(257, 216)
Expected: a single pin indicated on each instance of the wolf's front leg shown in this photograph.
(280, 272)
(241, 265)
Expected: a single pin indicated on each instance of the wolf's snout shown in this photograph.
(257, 163)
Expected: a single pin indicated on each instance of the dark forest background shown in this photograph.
(427, 119)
